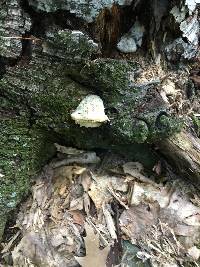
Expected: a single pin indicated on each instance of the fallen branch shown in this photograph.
(183, 152)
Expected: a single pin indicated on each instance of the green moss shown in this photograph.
(163, 126)
(169, 125)
(52, 96)
(130, 130)
(109, 77)
(70, 46)
(196, 122)
(23, 152)
(134, 112)
(46, 90)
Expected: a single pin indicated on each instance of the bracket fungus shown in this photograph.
(90, 112)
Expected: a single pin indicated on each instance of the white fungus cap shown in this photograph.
(90, 112)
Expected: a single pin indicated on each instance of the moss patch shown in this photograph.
(196, 122)
(23, 152)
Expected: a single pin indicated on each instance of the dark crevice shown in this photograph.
(112, 23)
(108, 28)
(26, 52)
(4, 62)
(43, 21)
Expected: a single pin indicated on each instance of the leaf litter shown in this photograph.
(71, 216)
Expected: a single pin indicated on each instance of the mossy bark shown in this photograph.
(52, 89)
(23, 151)
(48, 89)
(44, 78)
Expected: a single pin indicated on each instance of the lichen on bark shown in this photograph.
(84, 9)
(14, 23)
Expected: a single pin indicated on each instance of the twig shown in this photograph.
(110, 223)
(20, 37)
(91, 223)
(8, 246)
(116, 197)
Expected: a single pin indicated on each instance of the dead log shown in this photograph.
(183, 152)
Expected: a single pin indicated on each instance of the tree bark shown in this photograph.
(183, 152)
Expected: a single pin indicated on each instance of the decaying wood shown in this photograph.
(183, 152)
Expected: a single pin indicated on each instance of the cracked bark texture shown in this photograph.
(52, 55)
